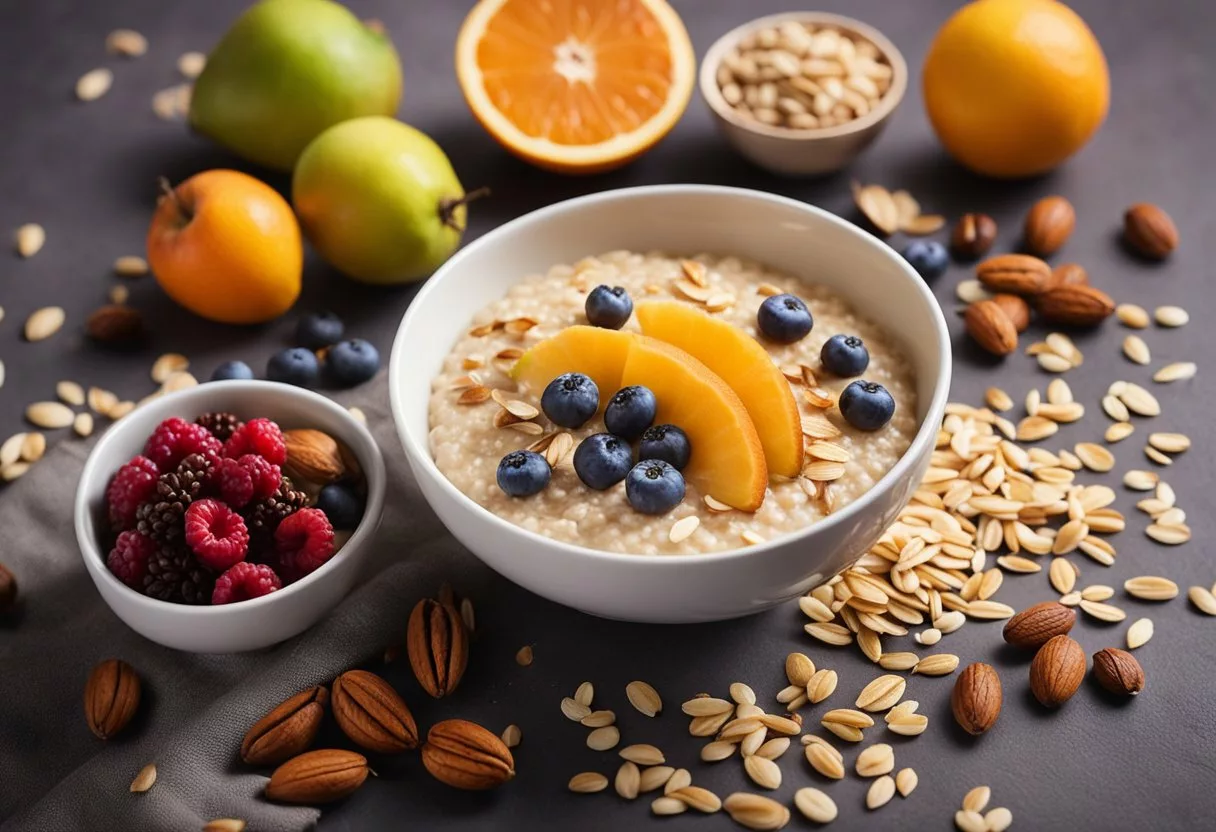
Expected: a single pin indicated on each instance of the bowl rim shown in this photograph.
(708, 83)
(373, 470)
(423, 464)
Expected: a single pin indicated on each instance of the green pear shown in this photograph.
(287, 70)
(379, 200)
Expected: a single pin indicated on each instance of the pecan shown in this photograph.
(318, 777)
(287, 730)
(371, 713)
(464, 755)
(111, 697)
(438, 646)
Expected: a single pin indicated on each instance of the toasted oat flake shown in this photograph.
(823, 471)
(49, 415)
(938, 664)
(1118, 431)
(1036, 428)
(970, 821)
(1139, 633)
(756, 812)
(1063, 576)
(602, 739)
(1178, 371)
(878, 206)
(906, 781)
(44, 322)
(574, 710)
(683, 528)
(1171, 316)
(1170, 443)
(828, 633)
(1131, 315)
(13, 470)
(714, 505)
(94, 84)
(10, 449)
(1151, 588)
(815, 805)
(1053, 363)
(1156, 456)
(1017, 563)
(588, 782)
(1169, 535)
(1139, 401)
(1136, 350)
(998, 399)
(1102, 611)
(643, 755)
(644, 698)
(1203, 599)
(763, 772)
(880, 792)
(1094, 456)
(751, 538)
(33, 447)
(881, 693)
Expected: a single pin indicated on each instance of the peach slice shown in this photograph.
(742, 363)
(727, 457)
(594, 351)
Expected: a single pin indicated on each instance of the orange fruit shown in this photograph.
(727, 459)
(591, 350)
(575, 86)
(1015, 87)
(745, 365)
(227, 247)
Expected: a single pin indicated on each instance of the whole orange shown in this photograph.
(1015, 87)
(227, 247)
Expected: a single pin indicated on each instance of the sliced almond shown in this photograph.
(1139, 633)
(49, 415)
(30, 239)
(126, 42)
(94, 84)
(1118, 431)
(1178, 371)
(1171, 316)
(1136, 350)
(878, 206)
(44, 323)
(167, 365)
(1203, 599)
(144, 780)
(1170, 443)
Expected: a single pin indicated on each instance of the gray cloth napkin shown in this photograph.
(54, 775)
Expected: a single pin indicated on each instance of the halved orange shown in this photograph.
(575, 86)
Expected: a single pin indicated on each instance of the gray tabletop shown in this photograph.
(88, 174)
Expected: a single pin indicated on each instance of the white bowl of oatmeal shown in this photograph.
(505, 293)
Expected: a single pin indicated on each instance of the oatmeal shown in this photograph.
(479, 414)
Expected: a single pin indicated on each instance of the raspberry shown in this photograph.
(128, 560)
(257, 436)
(244, 581)
(216, 534)
(174, 439)
(266, 476)
(132, 485)
(234, 482)
(304, 541)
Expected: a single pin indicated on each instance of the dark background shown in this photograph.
(87, 173)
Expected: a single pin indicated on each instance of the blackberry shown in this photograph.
(162, 516)
(263, 516)
(175, 575)
(221, 424)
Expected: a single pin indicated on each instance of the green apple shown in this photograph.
(379, 200)
(288, 69)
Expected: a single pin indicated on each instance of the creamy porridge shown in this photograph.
(478, 414)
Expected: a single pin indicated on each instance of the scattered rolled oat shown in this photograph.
(126, 42)
(1171, 316)
(94, 84)
(29, 239)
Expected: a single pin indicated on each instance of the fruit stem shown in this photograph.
(447, 207)
(184, 212)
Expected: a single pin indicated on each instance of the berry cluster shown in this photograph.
(322, 356)
(206, 516)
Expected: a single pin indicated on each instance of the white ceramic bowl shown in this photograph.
(687, 219)
(794, 152)
(259, 622)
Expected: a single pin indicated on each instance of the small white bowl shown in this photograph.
(788, 235)
(787, 150)
(259, 622)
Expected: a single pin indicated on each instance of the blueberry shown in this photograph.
(844, 355)
(351, 362)
(523, 473)
(342, 505)
(654, 487)
(608, 307)
(296, 366)
(570, 400)
(784, 319)
(602, 460)
(866, 405)
(319, 329)
(668, 443)
(928, 257)
(232, 371)
(630, 411)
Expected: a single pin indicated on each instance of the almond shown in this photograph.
(1019, 274)
(1036, 625)
(1069, 274)
(438, 646)
(976, 700)
(371, 713)
(1049, 224)
(1015, 308)
(114, 324)
(1056, 671)
(1149, 231)
(1075, 305)
(318, 777)
(313, 456)
(464, 755)
(287, 730)
(111, 697)
(1118, 671)
(973, 235)
(991, 328)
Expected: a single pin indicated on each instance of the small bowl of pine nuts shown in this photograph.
(802, 93)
